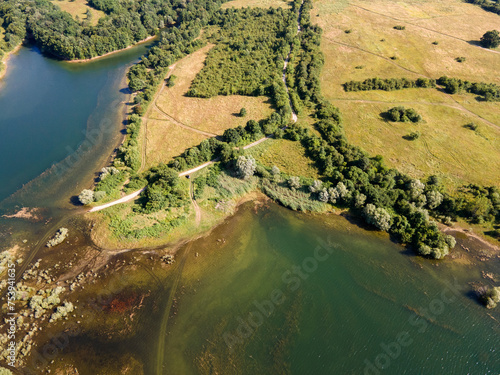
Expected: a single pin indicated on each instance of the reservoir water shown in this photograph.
(269, 291)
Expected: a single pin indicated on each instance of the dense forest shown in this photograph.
(248, 55)
(126, 22)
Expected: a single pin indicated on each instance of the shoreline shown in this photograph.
(5, 59)
(81, 61)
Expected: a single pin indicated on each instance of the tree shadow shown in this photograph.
(474, 296)
(125, 90)
(476, 43)
(385, 116)
(75, 201)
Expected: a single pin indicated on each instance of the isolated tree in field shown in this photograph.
(246, 166)
(491, 39)
(86, 197)
(243, 112)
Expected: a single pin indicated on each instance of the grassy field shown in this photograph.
(173, 110)
(446, 148)
(79, 8)
(256, 4)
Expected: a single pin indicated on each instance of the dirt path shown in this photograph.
(182, 125)
(454, 106)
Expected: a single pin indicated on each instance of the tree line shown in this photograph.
(488, 91)
(389, 84)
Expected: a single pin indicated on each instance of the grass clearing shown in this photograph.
(289, 157)
(79, 8)
(166, 140)
(460, 155)
(213, 115)
(256, 4)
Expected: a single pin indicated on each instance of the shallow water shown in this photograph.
(356, 303)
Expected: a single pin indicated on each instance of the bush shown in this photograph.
(412, 136)
(245, 166)
(460, 59)
(402, 114)
(399, 27)
(171, 81)
(243, 112)
(377, 217)
(58, 238)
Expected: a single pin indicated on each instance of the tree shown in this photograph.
(246, 166)
(86, 197)
(243, 112)
(491, 39)
(377, 217)
(231, 136)
(434, 199)
(491, 297)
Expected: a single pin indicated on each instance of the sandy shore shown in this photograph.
(113, 52)
(5, 59)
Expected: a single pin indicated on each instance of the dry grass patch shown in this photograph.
(79, 8)
(166, 140)
(445, 147)
(413, 47)
(213, 115)
(256, 4)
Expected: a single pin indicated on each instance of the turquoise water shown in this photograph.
(54, 113)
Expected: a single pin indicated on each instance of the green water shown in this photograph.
(354, 299)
